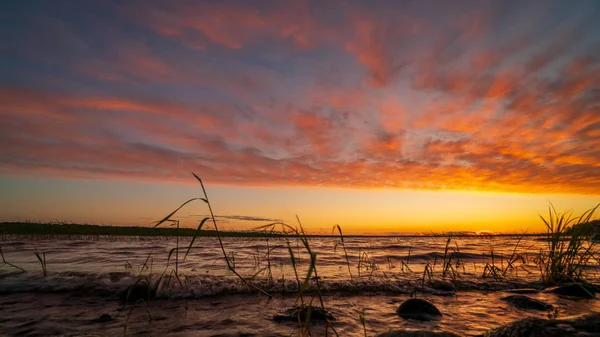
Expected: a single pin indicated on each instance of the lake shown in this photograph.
(85, 278)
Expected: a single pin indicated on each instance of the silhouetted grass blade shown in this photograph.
(168, 217)
(195, 236)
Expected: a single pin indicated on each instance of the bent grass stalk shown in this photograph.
(4, 262)
(42, 259)
(214, 220)
(343, 246)
(363, 321)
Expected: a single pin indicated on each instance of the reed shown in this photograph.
(294, 266)
(491, 270)
(141, 290)
(206, 200)
(363, 321)
(42, 259)
(368, 264)
(4, 262)
(405, 265)
(427, 272)
(570, 249)
(343, 244)
(451, 265)
(311, 274)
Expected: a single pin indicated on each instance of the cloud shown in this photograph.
(301, 94)
(247, 218)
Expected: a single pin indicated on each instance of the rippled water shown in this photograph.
(85, 278)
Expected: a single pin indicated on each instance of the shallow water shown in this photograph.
(85, 279)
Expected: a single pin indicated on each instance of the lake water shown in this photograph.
(85, 278)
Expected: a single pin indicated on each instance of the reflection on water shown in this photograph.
(86, 277)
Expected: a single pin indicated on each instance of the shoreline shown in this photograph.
(68, 229)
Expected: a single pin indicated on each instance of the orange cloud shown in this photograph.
(298, 94)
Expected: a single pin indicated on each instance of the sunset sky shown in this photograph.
(380, 116)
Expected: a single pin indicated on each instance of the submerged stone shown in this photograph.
(588, 325)
(103, 318)
(527, 303)
(301, 312)
(524, 291)
(419, 309)
(137, 292)
(574, 290)
(417, 333)
(443, 285)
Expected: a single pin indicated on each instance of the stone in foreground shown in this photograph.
(574, 290)
(419, 309)
(417, 333)
(103, 319)
(588, 325)
(137, 292)
(526, 303)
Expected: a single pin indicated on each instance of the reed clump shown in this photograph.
(303, 310)
(570, 249)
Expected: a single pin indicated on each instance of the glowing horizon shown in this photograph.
(357, 211)
(486, 108)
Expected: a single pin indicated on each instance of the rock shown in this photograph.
(419, 309)
(291, 314)
(523, 291)
(116, 276)
(587, 325)
(527, 303)
(136, 292)
(417, 333)
(443, 285)
(103, 318)
(574, 290)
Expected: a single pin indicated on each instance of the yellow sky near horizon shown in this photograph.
(357, 211)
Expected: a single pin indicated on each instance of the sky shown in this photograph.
(379, 116)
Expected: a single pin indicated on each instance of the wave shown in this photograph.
(112, 285)
(440, 256)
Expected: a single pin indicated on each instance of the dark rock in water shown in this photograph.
(419, 309)
(524, 291)
(116, 276)
(588, 325)
(528, 303)
(443, 285)
(103, 318)
(574, 290)
(291, 314)
(137, 292)
(417, 333)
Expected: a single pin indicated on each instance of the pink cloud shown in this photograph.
(290, 94)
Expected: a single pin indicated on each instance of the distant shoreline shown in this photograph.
(60, 229)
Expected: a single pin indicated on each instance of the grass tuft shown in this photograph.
(42, 259)
(569, 247)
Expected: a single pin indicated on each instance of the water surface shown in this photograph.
(85, 278)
